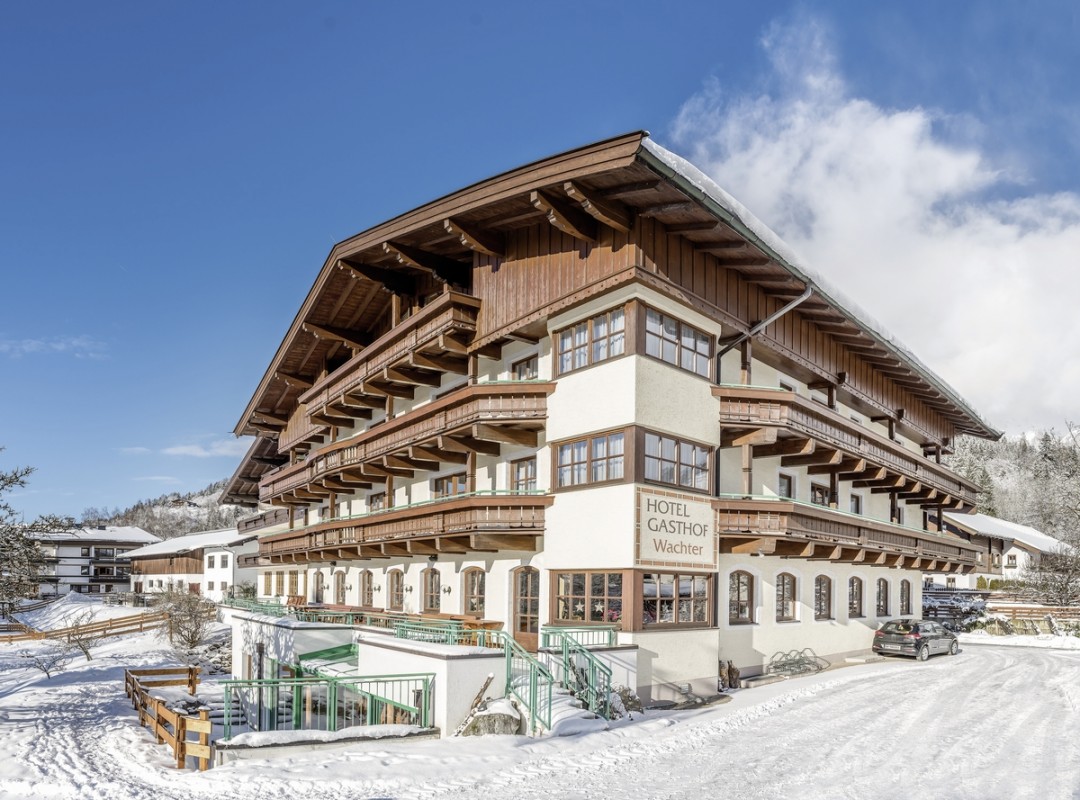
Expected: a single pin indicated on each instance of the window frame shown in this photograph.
(591, 340)
(431, 590)
(819, 494)
(474, 592)
(855, 499)
(823, 604)
(780, 478)
(905, 597)
(521, 365)
(677, 465)
(458, 487)
(589, 462)
(395, 590)
(787, 597)
(737, 581)
(881, 598)
(648, 336)
(855, 598)
(613, 605)
(367, 589)
(517, 484)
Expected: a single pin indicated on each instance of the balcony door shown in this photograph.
(526, 615)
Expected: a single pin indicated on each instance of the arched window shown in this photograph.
(367, 589)
(396, 589)
(854, 597)
(432, 583)
(822, 597)
(741, 598)
(474, 580)
(905, 596)
(339, 588)
(882, 597)
(785, 597)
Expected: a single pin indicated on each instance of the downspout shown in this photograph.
(769, 320)
(721, 672)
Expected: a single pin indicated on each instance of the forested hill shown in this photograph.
(1030, 480)
(173, 514)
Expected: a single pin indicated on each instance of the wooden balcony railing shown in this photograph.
(277, 516)
(754, 406)
(451, 314)
(484, 521)
(783, 527)
(521, 404)
(300, 429)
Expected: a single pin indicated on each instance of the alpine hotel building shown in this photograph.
(596, 390)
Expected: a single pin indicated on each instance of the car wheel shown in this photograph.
(954, 648)
(924, 653)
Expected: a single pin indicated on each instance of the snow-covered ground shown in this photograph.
(72, 607)
(993, 722)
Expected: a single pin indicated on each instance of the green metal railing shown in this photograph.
(528, 680)
(588, 635)
(271, 608)
(328, 704)
(580, 670)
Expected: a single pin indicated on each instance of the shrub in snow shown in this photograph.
(50, 658)
(624, 702)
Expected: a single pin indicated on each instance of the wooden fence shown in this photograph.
(1037, 613)
(168, 726)
(111, 627)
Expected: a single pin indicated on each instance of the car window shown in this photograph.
(897, 627)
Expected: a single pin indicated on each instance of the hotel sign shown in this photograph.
(674, 530)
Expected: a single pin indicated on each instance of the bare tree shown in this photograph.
(1055, 579)
(190, 617)
(83, 634)
(50, 659)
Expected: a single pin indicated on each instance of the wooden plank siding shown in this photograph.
(190, 564)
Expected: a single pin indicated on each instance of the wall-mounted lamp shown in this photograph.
(446, 589)
(333, 563)
(408, 590)
(348, 588)
(433, 558)
(376, 588)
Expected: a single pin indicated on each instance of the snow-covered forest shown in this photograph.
(173, 514)
(1030, 480)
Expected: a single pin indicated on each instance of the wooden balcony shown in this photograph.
(795, 530)
(807, 433)
(479, 523)
(478, 418)
(414, 353)
(277, 516)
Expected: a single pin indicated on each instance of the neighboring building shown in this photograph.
(596, 390)
(1005, 548)
(205, 563)
(89, 560)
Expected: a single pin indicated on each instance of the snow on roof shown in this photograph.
(128, 534)
(226, 537)
(795, 264)
(999, 528)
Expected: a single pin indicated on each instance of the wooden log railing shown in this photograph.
(112, 627)
(169, 726)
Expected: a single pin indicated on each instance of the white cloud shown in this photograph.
(78, 346)
(231, 448)
(904, 219)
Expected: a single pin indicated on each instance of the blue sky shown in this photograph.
(173, 174)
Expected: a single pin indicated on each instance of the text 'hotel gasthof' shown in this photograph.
(595, 391)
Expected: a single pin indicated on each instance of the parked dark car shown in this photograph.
(919, 638)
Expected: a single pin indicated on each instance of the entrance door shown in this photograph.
(527, 607)
(319, 587)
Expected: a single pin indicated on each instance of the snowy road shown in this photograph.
(993, 722)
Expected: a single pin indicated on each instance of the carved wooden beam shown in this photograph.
(459, 366)
(787, 447)
(444, 269)
(352, 339)
(389, 389)
(296, 381)
(431, 453)
(759, 436)
(446, 544)
(467, 444)
(486, 242)
(823, 455)
(501, 433)
(394, 282)
(564, 216)
(611, 213)
(411, 376)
